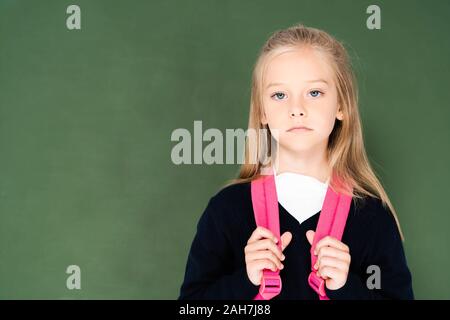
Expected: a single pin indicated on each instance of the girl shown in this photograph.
(304, 94)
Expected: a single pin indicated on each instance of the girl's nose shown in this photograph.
(296, 111)
(294, 114)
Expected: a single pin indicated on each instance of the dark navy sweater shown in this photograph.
(216, 266)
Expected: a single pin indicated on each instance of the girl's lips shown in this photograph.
(299, 129)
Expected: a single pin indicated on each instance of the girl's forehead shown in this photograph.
(298, 65)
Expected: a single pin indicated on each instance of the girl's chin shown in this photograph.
(297, 148)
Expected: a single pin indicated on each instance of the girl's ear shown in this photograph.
(340, 114)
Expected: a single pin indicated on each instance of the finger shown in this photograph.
(260, 233)
(334, 253)
(265, 244)
(332, 242)
(263, 264)
(330, 272)
(310, 236)
(331, 262)
(318, 274)
(285, 240)
(263, 254)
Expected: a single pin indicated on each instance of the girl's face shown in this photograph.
(299, 90)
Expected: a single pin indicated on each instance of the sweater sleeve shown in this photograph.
(385, 256)
(209, 272)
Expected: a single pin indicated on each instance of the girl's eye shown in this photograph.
(279, 95)
(315, 93)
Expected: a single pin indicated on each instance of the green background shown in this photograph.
(86, 118)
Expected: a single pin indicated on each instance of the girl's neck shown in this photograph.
(310, 164)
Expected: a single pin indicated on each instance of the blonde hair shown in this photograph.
(345, 151)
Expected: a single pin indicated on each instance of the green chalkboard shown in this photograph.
(86, 118)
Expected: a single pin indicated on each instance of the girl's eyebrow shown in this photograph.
(274, 84)
(318, 80)
(310, 81)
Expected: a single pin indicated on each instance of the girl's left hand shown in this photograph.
(333, 261)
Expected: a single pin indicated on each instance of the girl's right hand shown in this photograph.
(262, 252)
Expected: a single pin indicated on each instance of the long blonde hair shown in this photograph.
(345, 151)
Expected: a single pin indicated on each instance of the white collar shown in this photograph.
(301, 195)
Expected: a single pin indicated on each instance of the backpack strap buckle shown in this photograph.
(317, 284)
(270, 284)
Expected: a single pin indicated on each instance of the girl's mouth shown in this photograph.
(299, 129)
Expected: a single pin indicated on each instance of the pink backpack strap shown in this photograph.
(332, 221)
(265, 208)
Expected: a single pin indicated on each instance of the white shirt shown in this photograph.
(301, 195)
